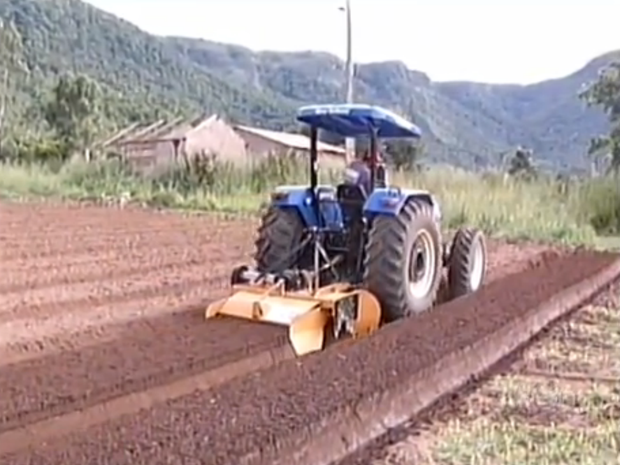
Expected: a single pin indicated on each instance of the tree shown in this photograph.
(521, 164)
(404, 154)
(11, 50)
(605, 93)
(74, 112)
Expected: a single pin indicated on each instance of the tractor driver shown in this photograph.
(358, 172)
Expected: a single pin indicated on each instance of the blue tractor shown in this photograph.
(359, 253)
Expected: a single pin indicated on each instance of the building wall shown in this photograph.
(216, 137)
(259, 147)
(329, 161)
(148, 155)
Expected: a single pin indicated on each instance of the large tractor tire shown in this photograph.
(403, 261)
(280, 232)
(467, 262)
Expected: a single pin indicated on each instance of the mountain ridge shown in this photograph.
(465, 123)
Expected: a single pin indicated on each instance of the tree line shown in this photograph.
(69, 116)
(605, 94)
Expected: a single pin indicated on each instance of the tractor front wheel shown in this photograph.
(403, 260)
(280, 233)
(467, 262)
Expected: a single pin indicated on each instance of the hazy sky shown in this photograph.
(481, 40)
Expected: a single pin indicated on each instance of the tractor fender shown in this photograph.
(389, 201)
(300, 198)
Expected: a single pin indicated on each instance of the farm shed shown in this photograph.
(164, 142)
(262, 142)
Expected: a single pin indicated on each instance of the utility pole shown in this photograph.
(349, 142)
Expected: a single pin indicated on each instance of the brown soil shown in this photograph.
(88, 305)
(92, 299)
(152, 352)
(283, 407)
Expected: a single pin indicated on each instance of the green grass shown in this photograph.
(540, 211)
(565, 413)
(484, 442)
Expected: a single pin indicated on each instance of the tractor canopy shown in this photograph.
(358, 120)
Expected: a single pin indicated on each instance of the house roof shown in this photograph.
(161, 130)
(169, 130)
(294, 141)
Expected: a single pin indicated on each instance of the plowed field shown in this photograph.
(101, 315)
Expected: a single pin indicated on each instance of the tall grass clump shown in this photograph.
(503, 206)
(596, 201)
(206, 183)
(200, 183)
(25, 180)
(540, 209)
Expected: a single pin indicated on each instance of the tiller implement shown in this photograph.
(341, 260)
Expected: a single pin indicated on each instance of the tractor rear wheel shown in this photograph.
(403, 263)
(280, 232)
(467, 262)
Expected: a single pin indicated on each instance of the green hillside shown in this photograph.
(465, 123)
(69, 35)
(470, 122)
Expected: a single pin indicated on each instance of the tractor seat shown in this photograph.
(352, 199)
(352, 193)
